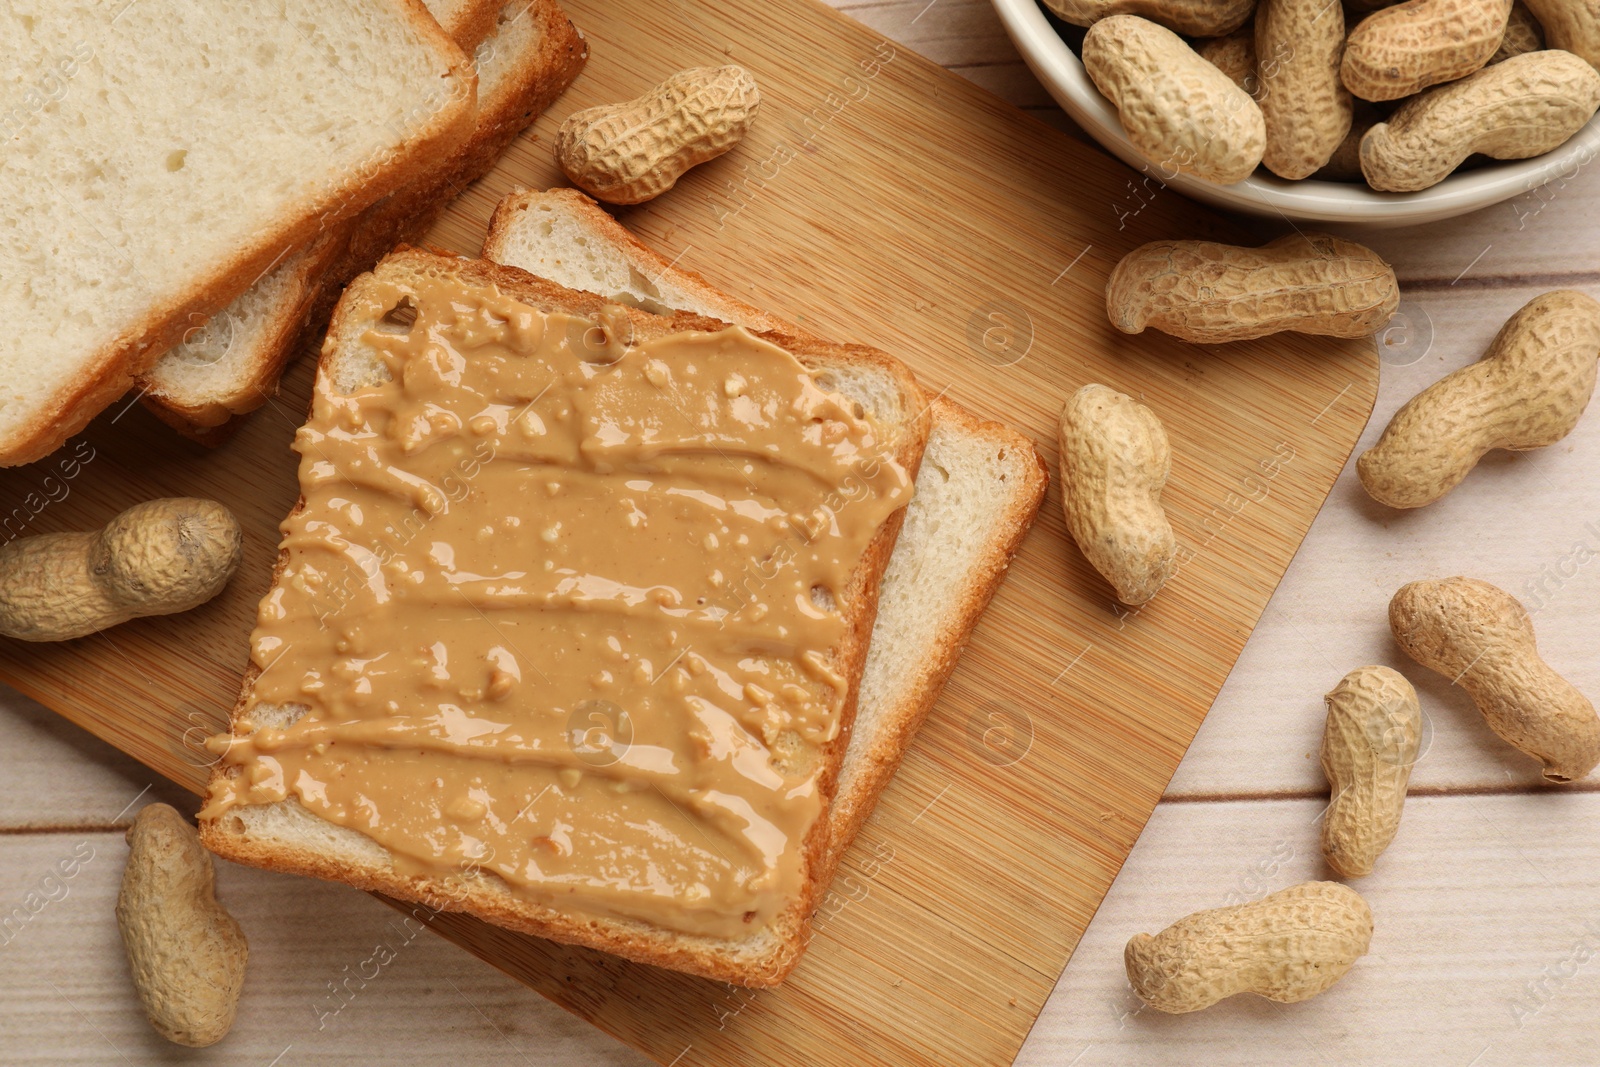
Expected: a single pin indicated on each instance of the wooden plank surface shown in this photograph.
(971, 213)
(437, 1004)
(1482, 953)
(1528, 522)
(1489, 955)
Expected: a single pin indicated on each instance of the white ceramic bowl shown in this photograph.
(1061, 72)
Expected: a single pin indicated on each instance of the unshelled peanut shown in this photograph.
(1306, 107)
(1528, 391)
(1521, 107)
(186, 953)
(1570, 25)
(1197, 18)
(1404, 49)
(1482, 639)
(1183, 114)
(1369, 744)
(1207, 292)
(1114, 462)
(1287, 946)
(155, 558)
(634, 151)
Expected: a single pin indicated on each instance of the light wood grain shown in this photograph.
(964, 36)
(1482, 911)
(1529, 239)
(58, 776)
(70, 999)
(1477, 899)
(880, 199)
(1528, 522)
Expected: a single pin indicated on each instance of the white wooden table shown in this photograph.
(1487, 906)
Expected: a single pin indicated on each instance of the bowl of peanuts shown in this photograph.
(1281, 108)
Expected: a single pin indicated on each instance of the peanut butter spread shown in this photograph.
(566, 609)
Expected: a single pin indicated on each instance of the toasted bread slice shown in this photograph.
(175, 157)
(287, 836)
(229, 368)
(978, 490)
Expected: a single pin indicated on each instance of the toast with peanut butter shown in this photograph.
(569, 623)
(526, 53)
(977, 492)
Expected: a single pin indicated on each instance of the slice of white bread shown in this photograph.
(233, 353)
(232, 365)
(978, 490)
(165, 153)
(287, 836)
(240, 352)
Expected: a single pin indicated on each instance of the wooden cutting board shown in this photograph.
(884, 200)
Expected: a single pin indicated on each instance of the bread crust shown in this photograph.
(496, 246)
(110, 372)
(504, 111)
(919, 692)
(473, 21)
(760, 961)
(210, 423)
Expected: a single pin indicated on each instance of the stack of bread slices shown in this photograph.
(184, 209)
(978, 488)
